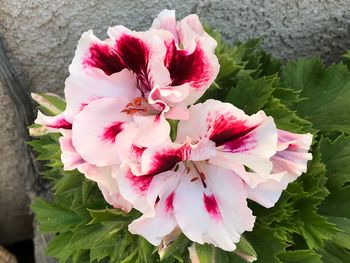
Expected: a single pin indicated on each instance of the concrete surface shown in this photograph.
(41, 36)
(15, 222)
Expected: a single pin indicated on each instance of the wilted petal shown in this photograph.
(215, 213)
(96, 129)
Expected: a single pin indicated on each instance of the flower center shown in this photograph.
(138, 105)
(195, 166)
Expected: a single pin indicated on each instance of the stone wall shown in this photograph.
(40, 37)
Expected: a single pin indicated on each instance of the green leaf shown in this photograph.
(173, 129)
(245, 250)
(70, 181)
(54, 217)
(336, 156)
(147, 252)
(327, 92)
(304, 256)
(131, 258)
(58, 247)
(342, 238)
(251, 95)
(332, 253)
(205, 253)
(266, 244)
(285, 118)
(176, 249)
(50, 104)
(337, 203)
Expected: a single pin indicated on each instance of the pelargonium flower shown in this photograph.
(120, 91)
(200, 183)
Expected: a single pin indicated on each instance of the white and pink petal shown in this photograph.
(53, 123)
(96, 128)
(148, 225)
(161, 158)
(292, 155)
(219, 205)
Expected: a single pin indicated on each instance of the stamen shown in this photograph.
(201, 175)
(138, 105)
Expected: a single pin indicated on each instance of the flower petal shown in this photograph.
(149, 226)
(159, 159)
(217, 214)
(166, 20)
(143, 53)
(190, 30)
(92, 53)
(141, 191)
(152, 130)
(53, 123)
(69, 157)
(268, 192)
(102, 175)
(83, 87)
(114, 198)
(292, 155)
(97, 127)
(107, 184)
(241, 140)
(198, 68)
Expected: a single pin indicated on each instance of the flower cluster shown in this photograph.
(122, 94)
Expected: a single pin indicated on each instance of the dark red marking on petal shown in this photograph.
(82, 106)
(137, 151)
(61, 124)
(135, 55)
(169, 203)
(140, 183)
(211, 206)
(112, 131)
(189, 67)
(104, 57)
(227, 130)
(167, 159)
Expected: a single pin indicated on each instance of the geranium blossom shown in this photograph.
(200, 182)
(121, 90)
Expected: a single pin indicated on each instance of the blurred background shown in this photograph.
(39, 39)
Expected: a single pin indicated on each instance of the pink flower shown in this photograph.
(121, 90)
(201, 185)
(291, 159)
